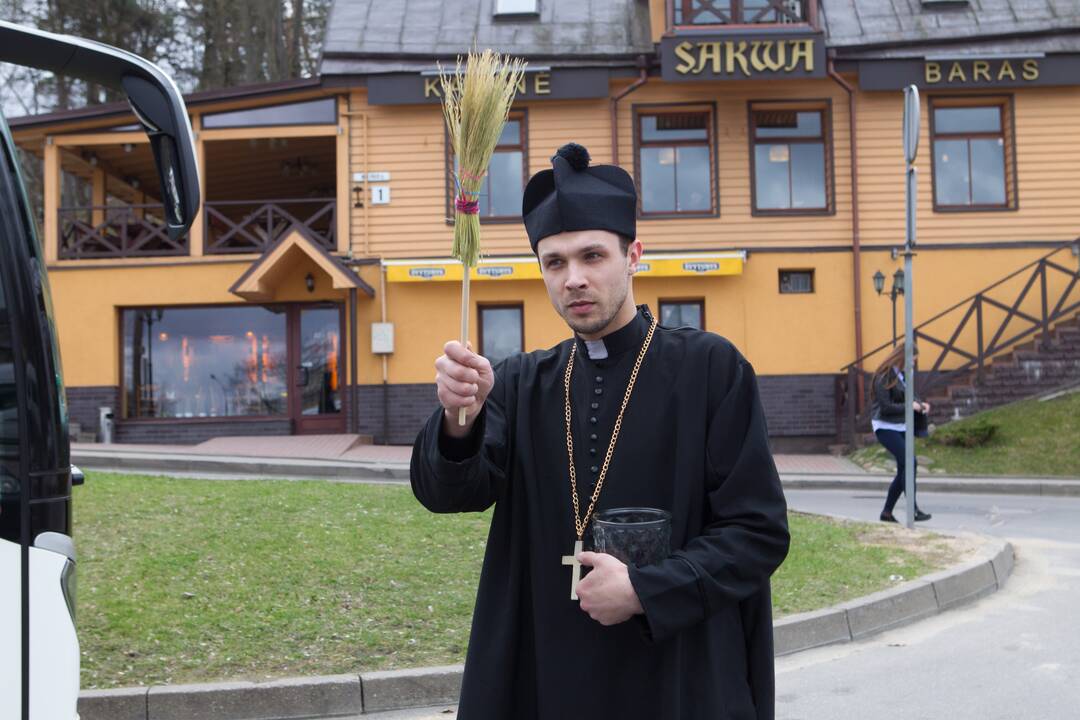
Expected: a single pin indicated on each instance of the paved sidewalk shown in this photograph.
(351, 448)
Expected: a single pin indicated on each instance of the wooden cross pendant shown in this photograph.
(576, 576)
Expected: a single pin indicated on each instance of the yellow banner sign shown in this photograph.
(660, 265)
(442, 270)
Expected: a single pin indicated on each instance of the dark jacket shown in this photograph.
(887, 404)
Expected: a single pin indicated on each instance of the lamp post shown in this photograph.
(897, 289)
(911, 149)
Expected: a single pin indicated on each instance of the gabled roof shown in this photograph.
(882, 27)
(258, 282)
(375, 36)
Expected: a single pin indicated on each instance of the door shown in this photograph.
(316, 400)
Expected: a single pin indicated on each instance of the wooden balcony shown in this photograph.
(115, 231)
(244, 226)
(230, 226)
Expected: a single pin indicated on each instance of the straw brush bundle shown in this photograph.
(476, 103)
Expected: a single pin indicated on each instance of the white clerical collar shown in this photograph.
(597, 349)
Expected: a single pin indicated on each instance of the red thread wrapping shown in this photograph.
(469, 176)
(467, 207)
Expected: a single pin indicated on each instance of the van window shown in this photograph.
(9, 410)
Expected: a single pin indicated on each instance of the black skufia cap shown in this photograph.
(574, 196)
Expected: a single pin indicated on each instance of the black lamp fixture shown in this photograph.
(309, 282)
(879, 282)
(897, 289)
(358, 191)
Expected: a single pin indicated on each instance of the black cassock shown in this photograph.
(693, 442)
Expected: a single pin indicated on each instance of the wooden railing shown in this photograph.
(244, 226)
(964, 338)
(114, 231)
(742, 12)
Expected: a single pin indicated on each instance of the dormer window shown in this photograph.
(741, 12)
(511, 8)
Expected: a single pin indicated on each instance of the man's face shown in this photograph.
(587, 276)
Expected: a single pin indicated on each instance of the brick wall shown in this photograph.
(179, 432)
(83, 404)
(800, 409)
(408, 405)
(799, 405)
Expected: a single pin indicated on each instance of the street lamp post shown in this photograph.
(897, 289)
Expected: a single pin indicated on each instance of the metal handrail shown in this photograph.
(852, 377)
(972, 298)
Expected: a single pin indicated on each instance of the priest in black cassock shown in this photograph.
(656, 417)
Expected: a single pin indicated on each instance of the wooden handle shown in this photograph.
(464, 325)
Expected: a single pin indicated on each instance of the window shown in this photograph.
(311, 112)
(502, 332)
(516, 7)
(682, 313)
(504, 183)
(739, 12)
(796, 281)
(674, 162)
(790, 160)
(205, 362)
(973, 164)
(10, 485)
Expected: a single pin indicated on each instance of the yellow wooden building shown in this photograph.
(314, 292)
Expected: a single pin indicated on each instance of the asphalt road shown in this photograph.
(1015, 654)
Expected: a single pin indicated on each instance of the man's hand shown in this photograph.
(606, 593)
(463, 380)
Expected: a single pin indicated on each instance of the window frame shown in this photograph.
(256, 107)
(780, 281)
(699, 301)
(809, 21)
(499, 305)
(288, 309)
(640, 110)
(519, 114)
(1007, 112)
(822, 105)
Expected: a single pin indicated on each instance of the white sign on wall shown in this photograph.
(382, 338)
(380, 194)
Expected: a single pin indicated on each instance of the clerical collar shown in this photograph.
(628, 337)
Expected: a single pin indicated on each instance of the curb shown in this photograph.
(976, 485)
(915, 600)
(277, 468)
(352, 695)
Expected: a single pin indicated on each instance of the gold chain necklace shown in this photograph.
(581, 523)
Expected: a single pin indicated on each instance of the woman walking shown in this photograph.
(887, 419)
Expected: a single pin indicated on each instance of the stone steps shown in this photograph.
(1030, 369)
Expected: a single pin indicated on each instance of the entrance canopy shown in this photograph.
(259, 281)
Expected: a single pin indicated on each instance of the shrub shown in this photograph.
(968, 434)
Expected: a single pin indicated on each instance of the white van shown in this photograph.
(39, 651)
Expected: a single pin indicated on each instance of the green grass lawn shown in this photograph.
(185, 580)
(1033, 438)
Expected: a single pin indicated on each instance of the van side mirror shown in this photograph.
(152, 95)
(157, 115)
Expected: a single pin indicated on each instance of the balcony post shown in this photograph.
(341, 212)
(51, 204)
(97, 196)
(198, 228)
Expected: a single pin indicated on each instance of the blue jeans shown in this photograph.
(894, 443)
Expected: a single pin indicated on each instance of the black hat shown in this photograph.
(575, 196)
